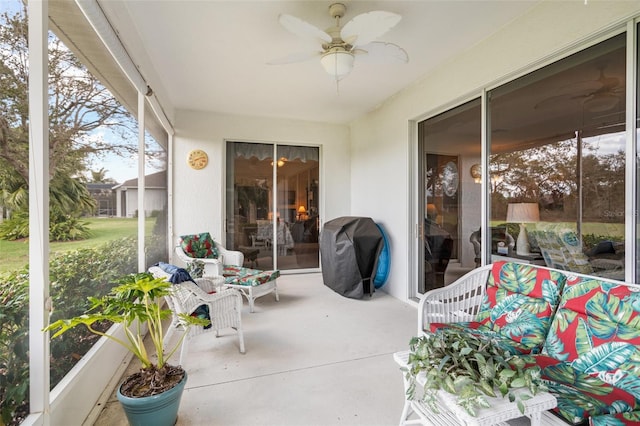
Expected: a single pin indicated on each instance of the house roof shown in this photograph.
(93, 186)
(212, 55)
(153, 181)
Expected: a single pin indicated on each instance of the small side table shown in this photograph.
(210, 283)
(451, 413)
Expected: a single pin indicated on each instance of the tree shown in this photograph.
(601, 177)
(100, 176)
(78, 105)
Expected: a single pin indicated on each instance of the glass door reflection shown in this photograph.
(274, 225)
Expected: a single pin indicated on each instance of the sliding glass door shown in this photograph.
(556, 160)
(272, 209)
(450, 177)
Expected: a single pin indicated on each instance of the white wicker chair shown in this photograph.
(215, 267)
(457, 302)
(225, 307)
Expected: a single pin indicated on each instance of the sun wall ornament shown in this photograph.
(476, 173)
(197, 159)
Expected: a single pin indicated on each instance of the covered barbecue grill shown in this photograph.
(349, 248)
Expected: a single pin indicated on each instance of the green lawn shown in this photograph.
(15, 254)
(613, 230)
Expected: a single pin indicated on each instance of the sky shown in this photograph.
(117, 167)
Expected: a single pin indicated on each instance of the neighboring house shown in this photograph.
(104, 197)
(126, 195)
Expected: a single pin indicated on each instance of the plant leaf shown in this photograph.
(487, 388)
(518, 383)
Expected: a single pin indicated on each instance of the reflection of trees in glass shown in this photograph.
(253, 195)
(549, 174)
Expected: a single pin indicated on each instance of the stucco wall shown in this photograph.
(199, 194)
(381, 170)
(154, 199)
(367, 167)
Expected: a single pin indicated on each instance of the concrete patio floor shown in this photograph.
(314, 358)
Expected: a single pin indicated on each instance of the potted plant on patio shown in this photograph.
(135, 303)
(470, 366)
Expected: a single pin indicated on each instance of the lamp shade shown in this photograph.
(523, 212)
(301, 209)
(337, 62)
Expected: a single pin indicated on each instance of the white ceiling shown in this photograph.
(212, 55)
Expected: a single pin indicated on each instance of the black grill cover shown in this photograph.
(349, 249)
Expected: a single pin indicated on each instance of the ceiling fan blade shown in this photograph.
(585, 87)
(610, 83)
(379, 51)
(367, 27)
(295, 57)
(559, 101)
(303, 28)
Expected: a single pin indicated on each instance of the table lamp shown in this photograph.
(523, 213)
(302, 213)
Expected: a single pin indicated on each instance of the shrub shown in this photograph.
(16, 227)
(14, 359)
(68, 228)
(156, 250)
(74, 276)
(589, 241)
(61, 228)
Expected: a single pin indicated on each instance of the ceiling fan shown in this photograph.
(340, 45)
(599, 95)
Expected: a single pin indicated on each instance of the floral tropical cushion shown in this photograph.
(199, 246)
(629, 418)
(582, 395)
(238, 275)
(520, 301)
(592, 350)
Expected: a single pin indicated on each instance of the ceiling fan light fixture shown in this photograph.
(337, 62)
(340, 43)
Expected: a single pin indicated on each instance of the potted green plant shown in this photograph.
(472, 367)
(136, 304)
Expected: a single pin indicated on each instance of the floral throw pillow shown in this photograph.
(520, 301)
(195, 268)
(199, 246)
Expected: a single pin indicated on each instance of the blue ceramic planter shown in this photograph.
(156, 410)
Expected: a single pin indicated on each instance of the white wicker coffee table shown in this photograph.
(450, 413)
(211, 283)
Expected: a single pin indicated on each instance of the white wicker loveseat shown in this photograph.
(582, 331)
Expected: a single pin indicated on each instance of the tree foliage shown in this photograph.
(550, 175)
(78, 105)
